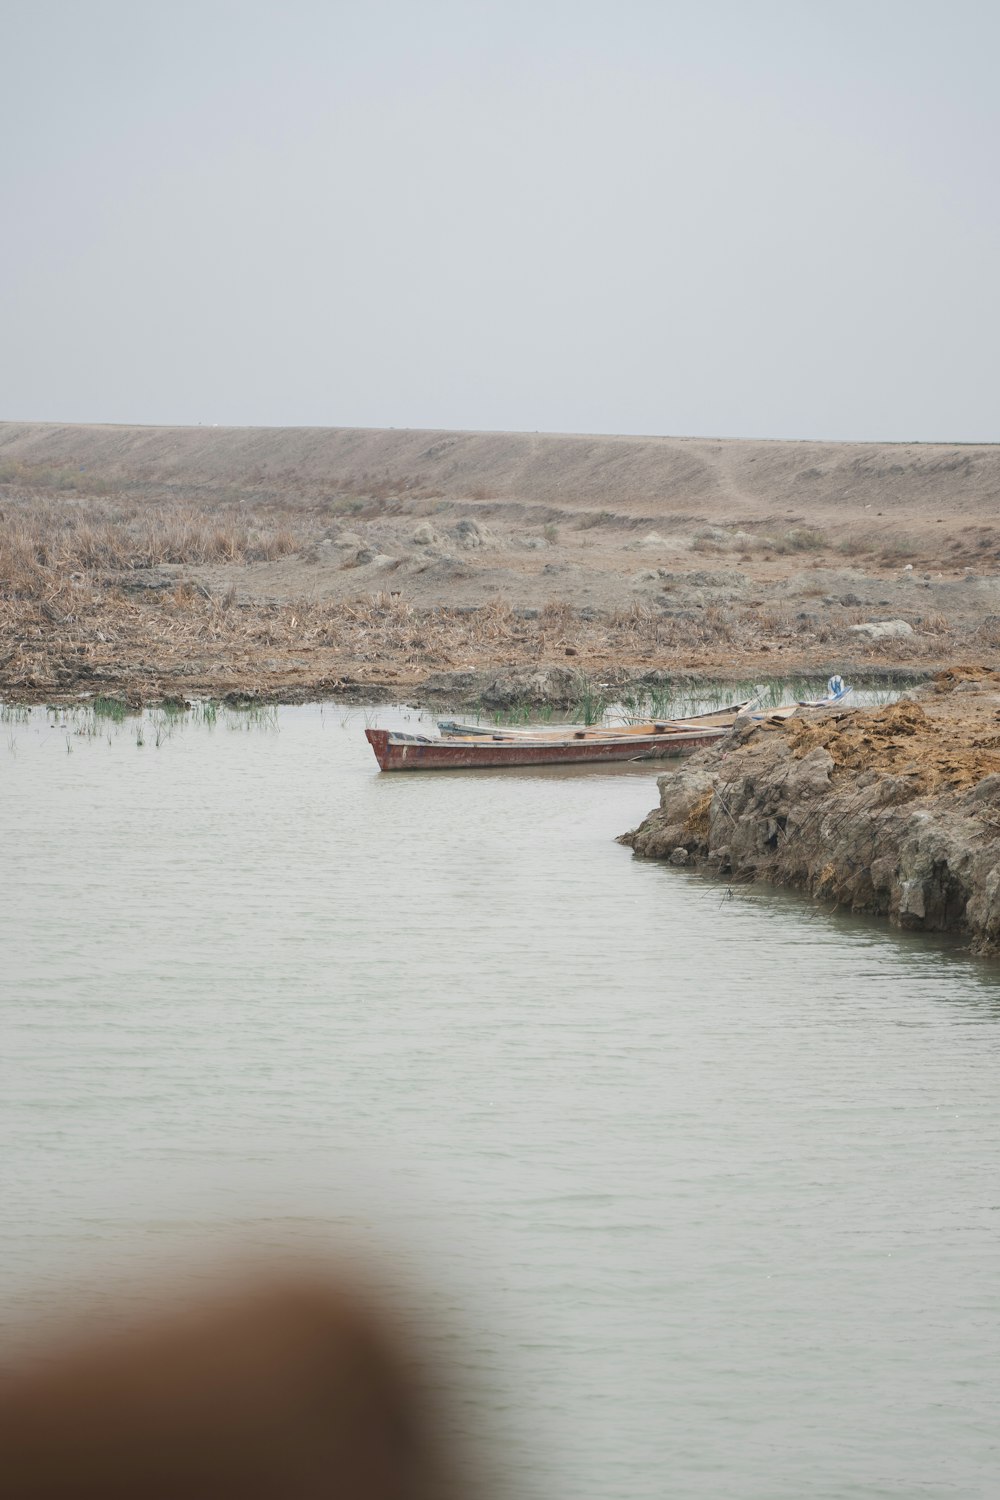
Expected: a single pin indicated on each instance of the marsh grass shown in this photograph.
(109, 718)
(600, 703)
(116, 709)
(524, 711)
(251, 716)
(47, 543)
(591, 705)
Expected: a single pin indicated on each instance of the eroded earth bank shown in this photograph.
(893, 811)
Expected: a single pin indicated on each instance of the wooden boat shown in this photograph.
(717, 718)
(416, 752)
(462, 746)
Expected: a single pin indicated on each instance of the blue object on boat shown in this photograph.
(836, 689)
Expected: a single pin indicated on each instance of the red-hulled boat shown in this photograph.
(416, 752)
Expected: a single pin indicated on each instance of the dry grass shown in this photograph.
(588, 519)
(74, 616)
(46, 477)
(800, 539)
(81, 635)
(888, 547)
(47, 543)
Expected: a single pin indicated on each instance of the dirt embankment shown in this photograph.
(713, 480)
(297, 562)
(893, 811)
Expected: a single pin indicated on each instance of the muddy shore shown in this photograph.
(481, 568)
(892, 811)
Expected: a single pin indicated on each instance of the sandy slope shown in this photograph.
(716, 481)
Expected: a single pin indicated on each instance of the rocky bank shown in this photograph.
(892, 811)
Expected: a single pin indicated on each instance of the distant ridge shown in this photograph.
(710, 477)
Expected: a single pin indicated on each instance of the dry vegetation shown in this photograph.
(88, 601)
(57, 542)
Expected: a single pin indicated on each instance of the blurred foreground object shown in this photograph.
(285, 1389)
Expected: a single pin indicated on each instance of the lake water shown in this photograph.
(710, 1180)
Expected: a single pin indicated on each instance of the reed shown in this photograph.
(48, 542)
(116, 709)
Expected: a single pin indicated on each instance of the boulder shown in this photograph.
(882, 630)
(470, 534)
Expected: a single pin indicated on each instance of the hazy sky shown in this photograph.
(710, 217)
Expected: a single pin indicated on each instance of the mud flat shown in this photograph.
(892, 811)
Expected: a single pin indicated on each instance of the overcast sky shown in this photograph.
(717, 217)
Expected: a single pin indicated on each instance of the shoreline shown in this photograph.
(892, 812)
(284, 564)
(514, 691)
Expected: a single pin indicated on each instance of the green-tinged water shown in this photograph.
(711, 1182)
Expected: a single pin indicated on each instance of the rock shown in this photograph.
(728, 582)
(470, 534)
(810, 777)
(987, 793)
(560, 687)
(680, 856)
(866, 838)
(424, 535)
(682, 793)
(348, 539)
(882, 630)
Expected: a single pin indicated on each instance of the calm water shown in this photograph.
(712, 1183)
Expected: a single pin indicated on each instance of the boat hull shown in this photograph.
(411, 753)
